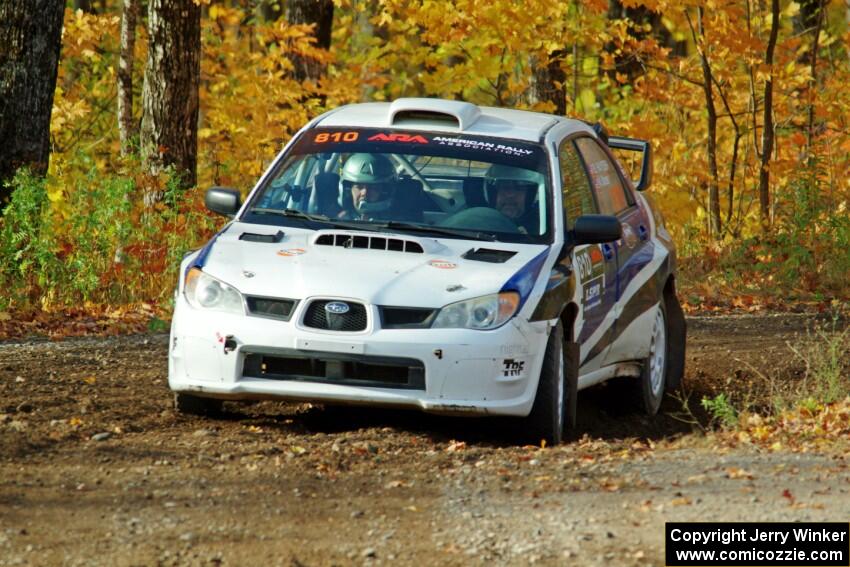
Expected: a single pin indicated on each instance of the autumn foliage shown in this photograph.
(86, 235)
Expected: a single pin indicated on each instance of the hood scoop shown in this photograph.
(268, 238)
(362, 241)
(489, 255)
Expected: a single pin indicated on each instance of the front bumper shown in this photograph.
(452, 371)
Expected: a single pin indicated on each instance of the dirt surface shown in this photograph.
(97, 469)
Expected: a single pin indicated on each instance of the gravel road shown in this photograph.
(97, 469)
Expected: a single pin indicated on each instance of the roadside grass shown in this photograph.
(812, 412)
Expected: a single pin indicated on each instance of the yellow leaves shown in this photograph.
(792, 10)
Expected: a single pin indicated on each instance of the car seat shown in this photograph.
(409, 200)
(473, 192)
(324, 199)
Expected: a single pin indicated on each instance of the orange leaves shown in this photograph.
(804, 428)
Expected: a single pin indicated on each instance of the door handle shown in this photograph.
(642, 232)
(608, 251)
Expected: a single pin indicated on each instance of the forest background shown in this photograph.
(744, 102)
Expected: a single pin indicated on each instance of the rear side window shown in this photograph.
(603, 175)
(578, 200)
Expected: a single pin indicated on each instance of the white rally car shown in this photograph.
(438, 255)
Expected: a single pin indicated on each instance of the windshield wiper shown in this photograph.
(296, 214)
(292, 213)
(458, 233)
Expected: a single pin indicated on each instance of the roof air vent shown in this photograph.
(433, 112)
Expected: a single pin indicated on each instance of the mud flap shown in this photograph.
(677, 330)
(571, 363)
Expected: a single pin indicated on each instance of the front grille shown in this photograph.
(345, 240)
(406, 317)
(317, 318)
(331, 368)
(270, 307)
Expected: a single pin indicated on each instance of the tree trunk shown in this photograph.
(767, 134)
(320, 13)
(84, 5)
(30, 41)
(269, 10)
(713, 181)
(816, 16)
(550, 82)
(126, 124)
(627, 63)
(169, 135)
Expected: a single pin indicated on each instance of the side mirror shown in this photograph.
(596, 229)
(223, 200)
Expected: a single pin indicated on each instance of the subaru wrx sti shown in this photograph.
(437, 255)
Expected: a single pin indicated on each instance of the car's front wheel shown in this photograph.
(195, 405)
(554, 411)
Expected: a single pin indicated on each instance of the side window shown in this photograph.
(603, 174)
(578, 200)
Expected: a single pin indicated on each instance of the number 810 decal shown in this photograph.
(336, 137)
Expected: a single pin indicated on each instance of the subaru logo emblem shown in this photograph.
(337, 308)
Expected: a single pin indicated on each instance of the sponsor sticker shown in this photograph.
(291, 252)
(395, 137)
(593, 292)
(512, 368)
(513, 350)
(595, 255)
(442, 264)
(481, 145)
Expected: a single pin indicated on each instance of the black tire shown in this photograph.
(653, 379)
(677, 330)
(553, 414)
(188, 404)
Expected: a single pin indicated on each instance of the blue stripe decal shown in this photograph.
(201, 258)
(634, 265)
(523, 281)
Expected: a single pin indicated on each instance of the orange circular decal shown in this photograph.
(443, 264)
(291, 252)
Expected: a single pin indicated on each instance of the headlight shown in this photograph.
(205, 292)
(482, 313)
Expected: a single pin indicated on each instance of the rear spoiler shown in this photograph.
(635, 145)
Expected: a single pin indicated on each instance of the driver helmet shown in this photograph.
(517, 178)
(376, 175)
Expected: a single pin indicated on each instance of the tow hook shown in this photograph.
(229, 344)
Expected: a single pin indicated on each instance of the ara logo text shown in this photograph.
(398, 138)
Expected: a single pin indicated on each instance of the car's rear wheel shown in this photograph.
(195, 405)
(554, 411)
(653, 378)
(677, 330)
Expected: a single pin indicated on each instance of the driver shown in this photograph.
(370, 180)
(511, 191)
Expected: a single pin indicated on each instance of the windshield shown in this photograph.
(445, 185)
